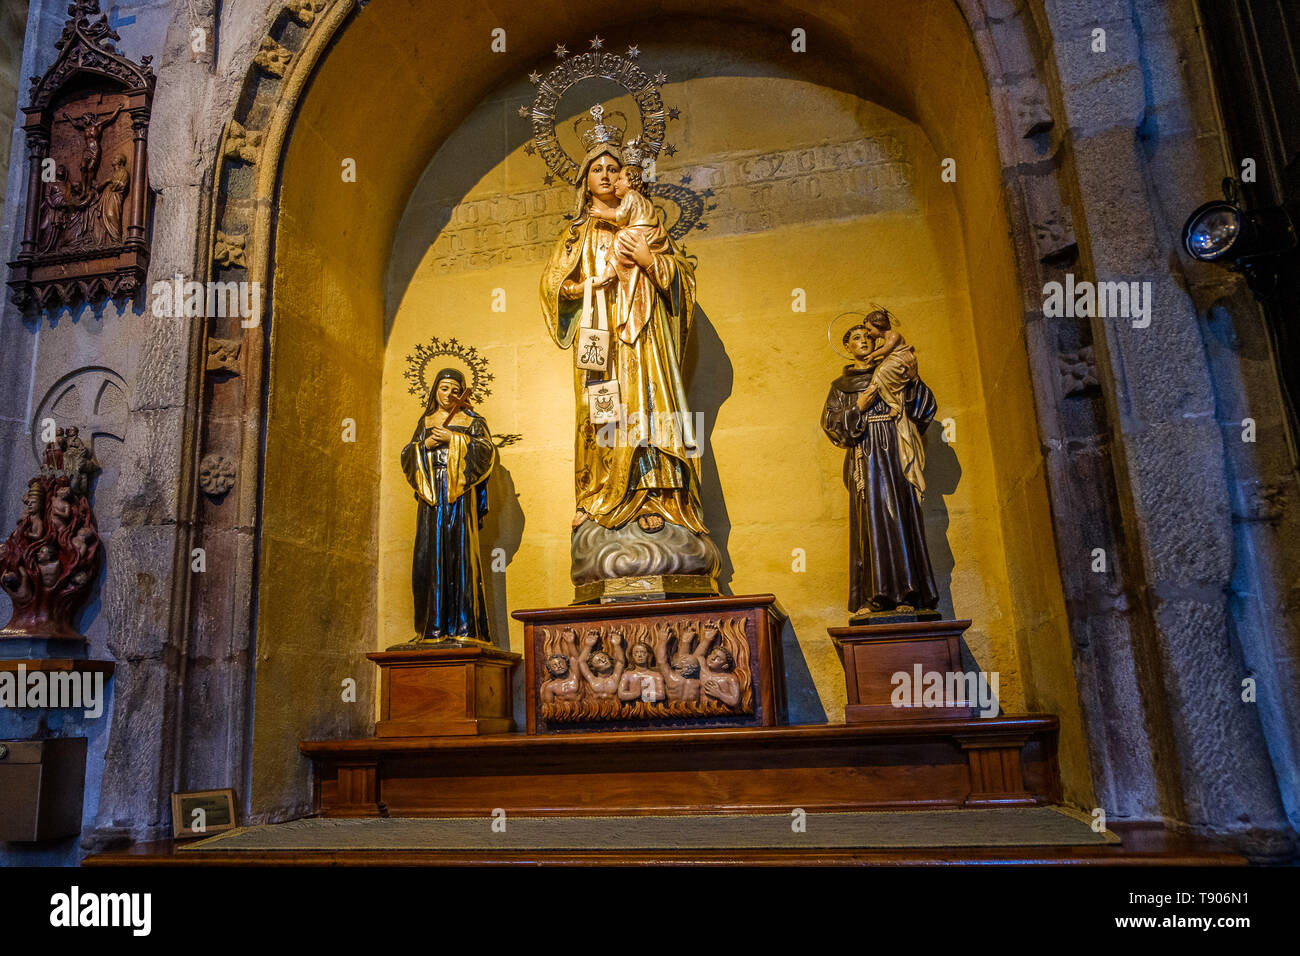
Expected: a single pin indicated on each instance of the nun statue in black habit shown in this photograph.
(877, 410)
(448, 461)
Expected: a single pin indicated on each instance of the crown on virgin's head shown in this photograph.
(600, 133)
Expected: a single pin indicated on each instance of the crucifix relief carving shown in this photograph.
(85, 235)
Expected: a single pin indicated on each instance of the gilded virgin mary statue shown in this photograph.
(616, 270)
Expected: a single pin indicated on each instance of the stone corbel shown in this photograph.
(223, 356)
(229, 251)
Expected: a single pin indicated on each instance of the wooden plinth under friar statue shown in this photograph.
(878, 411)
(651, 691)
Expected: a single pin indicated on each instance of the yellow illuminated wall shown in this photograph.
(821, 192)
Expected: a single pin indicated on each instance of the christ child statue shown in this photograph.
(634, 212)
(637, 219)
(895, 364)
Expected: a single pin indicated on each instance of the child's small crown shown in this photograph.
(635, 152)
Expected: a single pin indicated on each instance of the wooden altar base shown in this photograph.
(1002, 761)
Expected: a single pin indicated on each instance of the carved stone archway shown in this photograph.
(247, 201)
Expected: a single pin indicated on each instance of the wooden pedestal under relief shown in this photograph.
(444, 691)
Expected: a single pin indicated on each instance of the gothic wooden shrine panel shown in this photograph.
(86, 230)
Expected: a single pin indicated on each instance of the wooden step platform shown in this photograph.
(904, 764)
(1139, 846)
(939, 763)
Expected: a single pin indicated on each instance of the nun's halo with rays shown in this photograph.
(466, 359)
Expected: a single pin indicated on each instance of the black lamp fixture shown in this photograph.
(1253, 242)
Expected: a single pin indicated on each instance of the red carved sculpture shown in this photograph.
(49, 563)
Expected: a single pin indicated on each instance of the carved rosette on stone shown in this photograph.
(86, 229)
(216, 475)
(49, 563)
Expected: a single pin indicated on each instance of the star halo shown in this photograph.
(465, 356)
(574, 69)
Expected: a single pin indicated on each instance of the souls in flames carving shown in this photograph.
(50, 561)
(681, 668)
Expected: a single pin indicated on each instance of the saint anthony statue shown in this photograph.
(447, 462)
(877, 411)
(648, 289)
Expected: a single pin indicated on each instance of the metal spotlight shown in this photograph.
(1247, 241)
(1213, 230)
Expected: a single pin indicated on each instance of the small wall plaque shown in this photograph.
(202, 813)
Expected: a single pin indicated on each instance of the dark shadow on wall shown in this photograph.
(710, 377)
(803, 705)
(942, 474)
(503, 528)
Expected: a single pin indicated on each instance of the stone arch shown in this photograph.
(307, 51)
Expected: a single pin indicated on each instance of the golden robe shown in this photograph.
(652, 466)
